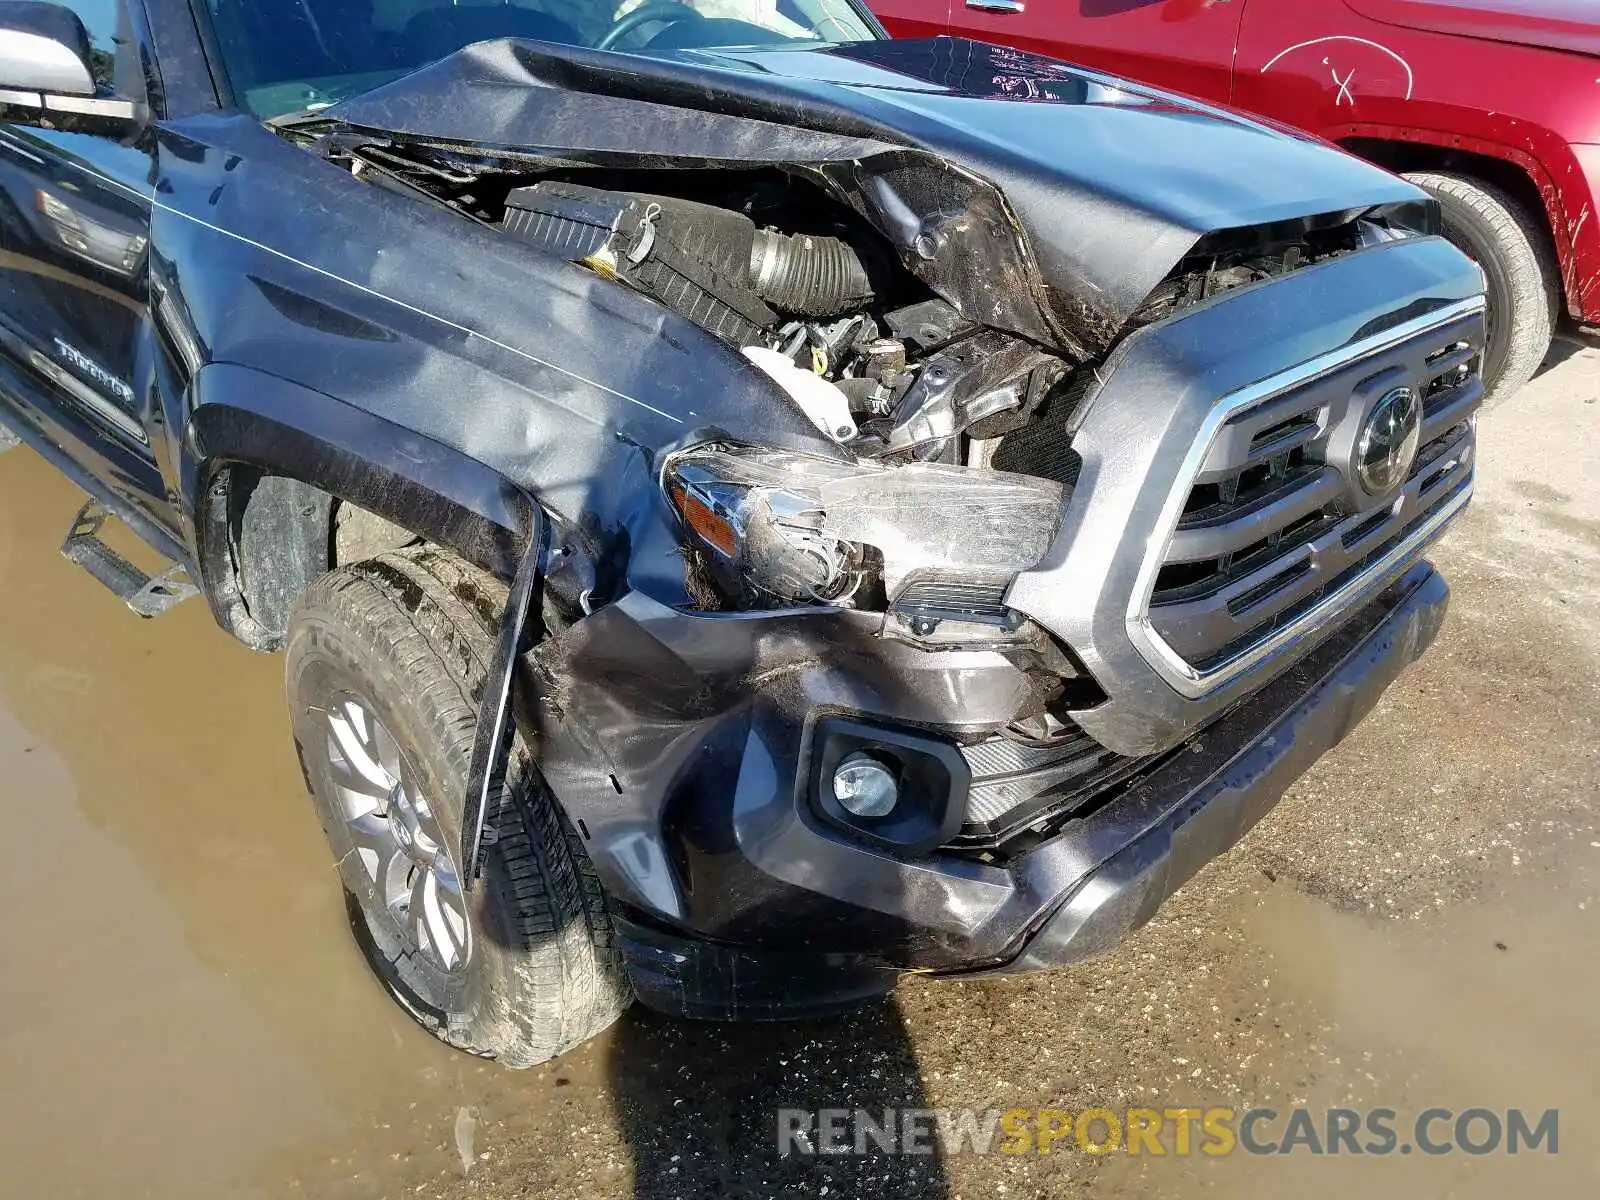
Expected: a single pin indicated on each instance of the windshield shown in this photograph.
(287, 55)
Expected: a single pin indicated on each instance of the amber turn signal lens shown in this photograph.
(707, 525)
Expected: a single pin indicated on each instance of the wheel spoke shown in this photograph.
(387, 753)
(356, 753)
(454, 913)
(344, 769)
(444, 934)
(371, 846)
(358, 803)
(395, 879)
(421, 926)
(445, 871)
(357, 717)
(358, 794)
(371, 832)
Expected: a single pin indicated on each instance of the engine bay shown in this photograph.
(819, 299)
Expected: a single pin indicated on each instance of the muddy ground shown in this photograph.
(184, 1013)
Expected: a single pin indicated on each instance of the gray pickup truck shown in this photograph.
(750, 507)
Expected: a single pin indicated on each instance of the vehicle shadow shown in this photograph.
(699, 1104)
(706, 1108)
(1561, 349)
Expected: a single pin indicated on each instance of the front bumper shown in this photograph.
(733, 901)
(1151, 842)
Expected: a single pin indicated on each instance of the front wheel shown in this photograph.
(1497, 233)
(385, 659)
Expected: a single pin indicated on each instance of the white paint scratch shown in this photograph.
(1411, 78)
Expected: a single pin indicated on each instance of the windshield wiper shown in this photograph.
(308, 115)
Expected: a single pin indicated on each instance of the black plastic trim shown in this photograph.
(935, 782)
(710, 981)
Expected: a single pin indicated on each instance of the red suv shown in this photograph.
(1492, 105)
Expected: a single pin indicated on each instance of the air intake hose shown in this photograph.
(807, 275)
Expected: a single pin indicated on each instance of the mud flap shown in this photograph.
(491, 747)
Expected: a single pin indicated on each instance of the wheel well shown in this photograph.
(1511, 179)
(266, 537)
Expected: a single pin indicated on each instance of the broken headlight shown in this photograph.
(779, 528)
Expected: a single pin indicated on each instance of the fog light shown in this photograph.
(865, 787)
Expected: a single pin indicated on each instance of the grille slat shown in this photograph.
(1240, 526)
(1458, 354)
(1449, 411)
(1196, 628)
(1312, 597)
(1279, 430)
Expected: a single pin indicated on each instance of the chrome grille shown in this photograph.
(1272, 534)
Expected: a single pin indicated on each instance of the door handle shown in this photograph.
(996, 6)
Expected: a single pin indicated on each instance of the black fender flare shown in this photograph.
(240, 416)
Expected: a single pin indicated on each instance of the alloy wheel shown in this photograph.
(402, 850)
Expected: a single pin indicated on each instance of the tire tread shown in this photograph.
(434, 617)
(1524, 249)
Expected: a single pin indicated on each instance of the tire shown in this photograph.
(1510, 244)
(523, 967)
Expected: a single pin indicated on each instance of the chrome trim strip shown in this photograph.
(92, 106)
(1170, 665)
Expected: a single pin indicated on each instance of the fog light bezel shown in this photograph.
(934, 782)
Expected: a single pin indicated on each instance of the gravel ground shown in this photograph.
(1413, 926)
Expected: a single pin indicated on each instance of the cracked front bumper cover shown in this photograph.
(781, 917)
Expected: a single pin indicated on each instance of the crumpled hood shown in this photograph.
(1572, 25)
(1035, 196)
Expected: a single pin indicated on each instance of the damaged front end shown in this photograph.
(852, 243)
(1084, 375)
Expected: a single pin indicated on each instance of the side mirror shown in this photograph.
(47, 71)
(44, 48)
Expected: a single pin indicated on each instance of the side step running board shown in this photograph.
(147, 595)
